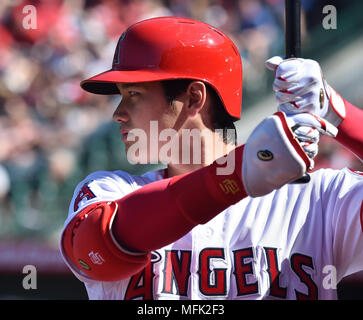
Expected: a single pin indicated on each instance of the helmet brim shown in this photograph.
(105, 82)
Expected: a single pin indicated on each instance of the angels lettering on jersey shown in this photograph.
(213, 283)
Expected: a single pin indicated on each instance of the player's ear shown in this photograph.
(196, 97)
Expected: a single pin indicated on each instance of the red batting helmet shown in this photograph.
(174, 48)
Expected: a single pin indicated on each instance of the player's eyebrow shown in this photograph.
(129, 85)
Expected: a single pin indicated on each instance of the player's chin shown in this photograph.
(139, 156)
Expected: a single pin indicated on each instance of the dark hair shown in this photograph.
(220, 118)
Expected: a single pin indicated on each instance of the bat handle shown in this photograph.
(293, 45)
(304, 179)
(293, 28)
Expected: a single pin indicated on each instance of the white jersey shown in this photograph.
(294, 243)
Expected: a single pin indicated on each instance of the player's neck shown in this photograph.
(211, 149)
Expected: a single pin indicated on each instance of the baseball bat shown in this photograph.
(292, 28)
(293, 43)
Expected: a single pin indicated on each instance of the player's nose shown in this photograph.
(120, 114)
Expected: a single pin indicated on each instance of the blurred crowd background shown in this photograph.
(52, 134)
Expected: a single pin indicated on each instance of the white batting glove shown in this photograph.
(300, 87)
(307, 129)
(280, 150)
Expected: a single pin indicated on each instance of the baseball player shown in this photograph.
(234, 225)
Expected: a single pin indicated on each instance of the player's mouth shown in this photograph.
(125, 135)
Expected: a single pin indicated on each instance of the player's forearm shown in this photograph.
(164, 211)
(351, 131)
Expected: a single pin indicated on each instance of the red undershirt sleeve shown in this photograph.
(351, 130)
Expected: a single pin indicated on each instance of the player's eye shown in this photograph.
(132, 93)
